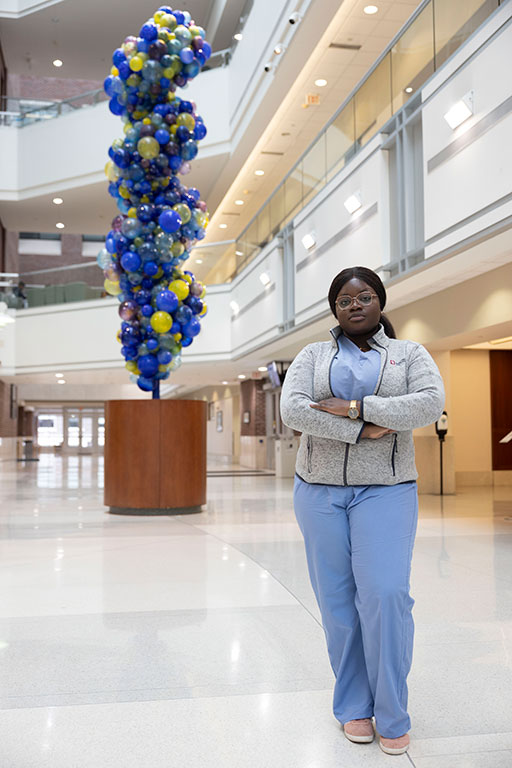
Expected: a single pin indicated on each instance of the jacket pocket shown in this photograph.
(309, 453)
(394, 451)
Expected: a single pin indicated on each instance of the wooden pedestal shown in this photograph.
(155, 456)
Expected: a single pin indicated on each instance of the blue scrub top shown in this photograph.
(354, 374)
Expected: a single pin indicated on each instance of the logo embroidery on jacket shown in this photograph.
(392, 362)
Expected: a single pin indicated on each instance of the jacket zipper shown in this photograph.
(383, 367)
(394, 451)
(345, 460)
(309, 452)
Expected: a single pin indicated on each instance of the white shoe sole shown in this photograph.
(359, 739)
(391, 751)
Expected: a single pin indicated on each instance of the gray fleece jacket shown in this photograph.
(409, 394)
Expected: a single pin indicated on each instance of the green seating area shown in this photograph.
(61, 294)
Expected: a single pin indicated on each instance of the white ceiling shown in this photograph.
(84, 33)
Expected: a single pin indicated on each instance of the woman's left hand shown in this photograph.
(334, 405)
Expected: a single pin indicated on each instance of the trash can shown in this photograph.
(286, 452)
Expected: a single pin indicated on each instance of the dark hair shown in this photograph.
(372, 279)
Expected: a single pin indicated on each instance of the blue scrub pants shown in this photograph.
(359, 544)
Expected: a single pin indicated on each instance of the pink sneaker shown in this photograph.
(360, 731)
(395, 746)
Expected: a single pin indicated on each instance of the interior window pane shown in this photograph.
(373, 102)
(412, 58)
(313, 170)
(339, 140)
(455, 21)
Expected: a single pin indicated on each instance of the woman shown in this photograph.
(356, 400)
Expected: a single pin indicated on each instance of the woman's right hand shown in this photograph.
(374, 432)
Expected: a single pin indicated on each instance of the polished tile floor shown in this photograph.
(194, 641)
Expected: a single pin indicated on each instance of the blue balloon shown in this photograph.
(183, 314)
(148, 365)
(131, 261)
(118, 57)
(145, 384)
(191, 328)
(149, 32)
(150, 268)
(147, 310)
(167, 301)
(152, 344)
(164, 357)
(115, 107)
(169, 221)
(162, 136)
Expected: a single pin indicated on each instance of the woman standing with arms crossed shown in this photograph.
(356, 400)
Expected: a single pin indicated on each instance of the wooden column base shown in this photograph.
(155, 456)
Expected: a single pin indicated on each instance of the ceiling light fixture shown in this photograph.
(409, 89)
(239, 202)
(353, 203)
(460, 111)
(242, 376)
(60, 225)
(224, 382)
(265, 279)
(239, 253)
(59, 375)
(320, 83)
(223, 226)
(309, 241)
(238, 36)
(262, 368)
(57, 200)
(57, 63)
(278, 49)
(259, 172)
(199, 261)
(235, 307)
(370, 9)
(61, 381)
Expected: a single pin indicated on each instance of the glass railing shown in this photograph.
(430, 37)
(19, 112)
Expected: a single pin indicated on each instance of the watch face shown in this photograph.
(353, 413)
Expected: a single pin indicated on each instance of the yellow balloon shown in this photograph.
(177, 249)
(136, 63)
(177, 336)
(204, 310)
(114, 71)
(132, 213)
(131, 366)
(180, 288)
(113, 288)
(187, 278)
(148, 147)
(111, 171)
(118, 336)
(169, 20)
(158, 16)
(161, 322)
(186, 119)
(203, 293)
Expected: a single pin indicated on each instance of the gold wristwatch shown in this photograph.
(353, 411)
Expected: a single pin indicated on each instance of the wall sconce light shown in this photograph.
(353, 203)
(460, 111)
(265, 279)
(235, 307)
(309, 241)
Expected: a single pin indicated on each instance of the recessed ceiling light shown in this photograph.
(224, 382)
(60, 225)
(57, 200)
(199, 261)
(241, 376)
(59, 375)
(223, 226)
(320, 83)
(370, 9)
(409, 89)
(239, 253)
(57, 63)
(238, 36)
(61, 381)
(259, 172)
(262, 368)
(239, 202)
(278, 49)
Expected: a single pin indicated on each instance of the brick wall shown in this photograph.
(48, 88)
(71, 247)
(252, 399)
(8, 426)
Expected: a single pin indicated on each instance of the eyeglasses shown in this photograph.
(364, 299)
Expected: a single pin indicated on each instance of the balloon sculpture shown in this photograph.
(160, 219)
